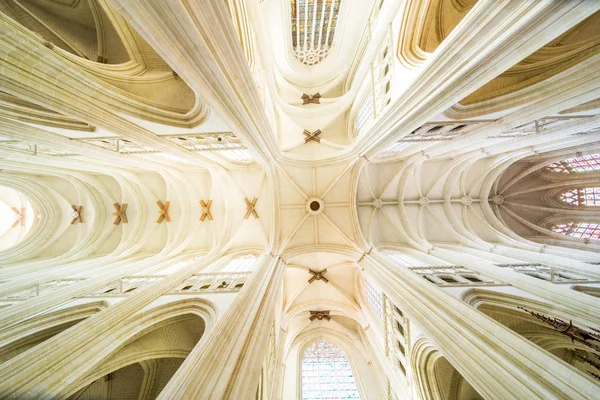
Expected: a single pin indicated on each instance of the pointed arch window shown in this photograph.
(582, 197)
(326, 373)
(313, 28)
(590, 162)
(583, 230)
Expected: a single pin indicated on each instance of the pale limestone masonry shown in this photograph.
(421, 233)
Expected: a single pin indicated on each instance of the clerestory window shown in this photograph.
(313, 28)
(326, 373)
(582, 197)
(584, 230)
(590, 162)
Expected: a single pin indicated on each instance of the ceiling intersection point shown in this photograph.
(315, 206)
(250, 208)
(318, 276)
(319, 315)
(164, 211)
(77, 214)
(311, 98)
(206, 210)
(312, 136)
(120, 213)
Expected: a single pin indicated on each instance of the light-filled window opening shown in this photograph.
(405, 260)
(326, 373)
(240, 264)
(365, 114)
(313, 28)
(375, 299)
(583, 230)
(582, 197)
(590, 162)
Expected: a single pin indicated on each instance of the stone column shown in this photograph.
(48, 370)
(226, 363)
(581, 307)
(491, 38)
(497, 362)
(197, 37)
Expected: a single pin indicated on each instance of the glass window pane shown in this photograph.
(326, 373)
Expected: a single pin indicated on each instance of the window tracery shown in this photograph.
(365, 114)
(326, 373)
(375, 299)
(582, 197)
(313, 28)
(585, 230)
(590, 162)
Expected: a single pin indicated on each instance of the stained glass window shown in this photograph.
(582, 197)
(579, 230)
(375, 299)
(326, 373)
(313, 28)
(587, 163)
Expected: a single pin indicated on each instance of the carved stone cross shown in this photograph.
(250, 208)
(205, 210)
(317, 276)
(120, 214)
(312, 136)
(77, 214)
(319, 315)
(19, 216)
(164, 211)
(311, 98)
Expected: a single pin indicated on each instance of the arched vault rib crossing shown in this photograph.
(377, 185)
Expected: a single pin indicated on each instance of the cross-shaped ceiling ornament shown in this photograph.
(120, 214)
(311, 98)
(205, 210)
(312, 136)
(77, 214)
(250, 208)
(317, 276)
(19, 216)
(164, 211)
(319, 315)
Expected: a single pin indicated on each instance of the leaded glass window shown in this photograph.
(587, 163)
(405, 260)
(326, 373)
(240, 264)
(364, 115)
(313, 28)
(584, 230)
(375, 299)
(582, 197)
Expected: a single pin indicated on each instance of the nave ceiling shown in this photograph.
(430, 134)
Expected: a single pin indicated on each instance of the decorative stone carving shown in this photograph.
(498, 199)
(120, 213)
(206, 210)
(250, 208)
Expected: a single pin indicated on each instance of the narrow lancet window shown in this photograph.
(326, 373)
(375, 299)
